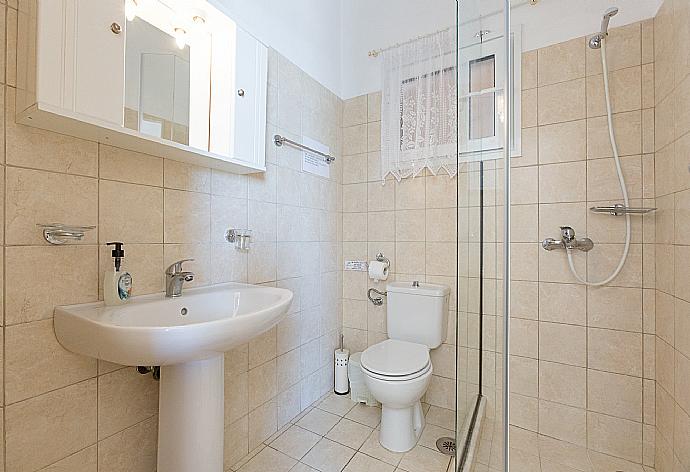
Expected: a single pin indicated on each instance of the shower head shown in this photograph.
(595, 41)
(605, 20)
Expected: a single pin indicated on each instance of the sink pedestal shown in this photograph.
(191, 417)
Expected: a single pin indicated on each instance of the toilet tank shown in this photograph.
(417, 312)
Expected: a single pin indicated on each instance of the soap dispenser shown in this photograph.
(117, 285)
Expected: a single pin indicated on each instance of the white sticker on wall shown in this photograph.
(313, 163)
(359, 266)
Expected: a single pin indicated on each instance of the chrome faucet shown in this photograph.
(568, 241)
(175, 277)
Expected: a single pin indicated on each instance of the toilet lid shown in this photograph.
(395, 358)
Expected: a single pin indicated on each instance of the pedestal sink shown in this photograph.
(187, 337)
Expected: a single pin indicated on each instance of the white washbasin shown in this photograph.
(152, 329)
(187, 337)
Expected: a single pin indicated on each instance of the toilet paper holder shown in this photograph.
(381, 258)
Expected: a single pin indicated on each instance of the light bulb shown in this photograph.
(180, 37)
(131, 7)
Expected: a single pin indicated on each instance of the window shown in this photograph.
(481, 99)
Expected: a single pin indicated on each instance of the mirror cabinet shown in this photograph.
(171, 78)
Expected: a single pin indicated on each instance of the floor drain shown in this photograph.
(446, 445)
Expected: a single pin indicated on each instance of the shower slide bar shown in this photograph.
(279, 140)
(621, 210)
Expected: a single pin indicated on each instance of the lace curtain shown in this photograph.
(419, 107)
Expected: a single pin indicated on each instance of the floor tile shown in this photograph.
(431, 433)
(363, 463)
(269, 459)
(328, 456)
(373, 448)
(368, 415)
(337, 404)
(423, 459)
(318, 421)
(302, 468)
(349, 433)
(295, 442)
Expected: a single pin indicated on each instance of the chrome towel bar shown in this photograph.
(279, 140)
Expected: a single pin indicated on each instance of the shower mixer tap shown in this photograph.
(568, 241)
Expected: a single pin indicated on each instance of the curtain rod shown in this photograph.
(519, 3)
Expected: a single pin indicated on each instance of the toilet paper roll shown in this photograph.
(378, 270)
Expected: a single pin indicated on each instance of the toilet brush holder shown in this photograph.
(341, 384)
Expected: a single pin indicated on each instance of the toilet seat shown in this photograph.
(395, 360)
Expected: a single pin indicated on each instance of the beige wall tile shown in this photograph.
(262, 384)
(355, 140)
(615, 436)
(627, 129)
(553, 297)
(36, 363)
(63, 199)
(626, 92)
(374, 106)
(615, 308)
(262, 423)
(566, 344)
(187, 217)
(355, 198)
(410, 194)
(615, 351)
(563, 182)
(623, 47)
(528, 117)
(614, 394)
(39, 149)
(355, 111)
(132, 449)
(563, 384)
(562, 102)
(32, 295)
(262, 348)
(563, 142)
(123, 217)
(563, 422)
(562, 62)
(129, 166)
(124, 399)
(410, 225)
(236, 442)
(85, 460)
(45, 429)
(183, 176)
(529, 69)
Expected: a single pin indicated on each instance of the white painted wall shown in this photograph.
(368, 25)
(307, 32)
(330, 39)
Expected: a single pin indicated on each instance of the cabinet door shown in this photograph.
(251, 77)
(99, 79)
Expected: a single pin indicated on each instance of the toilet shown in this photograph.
(398, 370)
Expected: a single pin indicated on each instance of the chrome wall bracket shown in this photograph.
(377, 301)
(58, 233)
(240, 237)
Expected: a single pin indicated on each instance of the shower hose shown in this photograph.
(621, 181)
